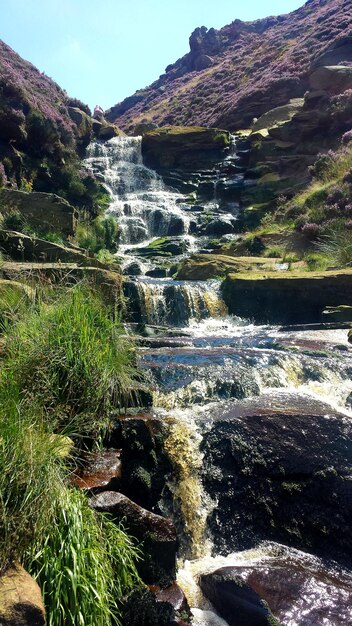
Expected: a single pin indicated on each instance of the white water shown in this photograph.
(144, 207)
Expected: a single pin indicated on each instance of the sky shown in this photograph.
(102, 51)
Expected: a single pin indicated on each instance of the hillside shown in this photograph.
(239, 72)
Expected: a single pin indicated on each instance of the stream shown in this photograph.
(223, 385)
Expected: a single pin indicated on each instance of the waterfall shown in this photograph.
(141, 203)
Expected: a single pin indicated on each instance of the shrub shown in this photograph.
(14, 220)
(75, 102)
(274, 252)
(316, 261)
(311, 230)
(347, 137)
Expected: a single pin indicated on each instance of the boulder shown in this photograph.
(157, 533)
(108, 131)
(26, 248)
(289, 583)
(144, 465)
(279, 115)
(21, 601)
(40, 210)
(219, 226)
(286, 298)
(185, 147)
(84, 123)
(174, 596)
(235, 600)
(334, 79)
(279, 468)
(101, 471)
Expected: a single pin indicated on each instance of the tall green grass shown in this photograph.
(84, 566)
(66, 363)
(71, 356)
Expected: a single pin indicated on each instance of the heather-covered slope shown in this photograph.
(42, 132)
(244, 69)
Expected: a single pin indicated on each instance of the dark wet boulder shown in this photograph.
(157, 534)
(133, 269)
(144, 464)
(279, 467)
(342, 313)
(219, 226)
(174, 596)
(235, 600)
(289, 583)
(101, 471)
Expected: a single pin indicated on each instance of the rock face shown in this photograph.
(289, 584)
(235, 600)
(20, 599)
(157, 533)
(144, 464)
(332, 79)
(279, 467)
(286, 298)
(43, 210)
(183, 147)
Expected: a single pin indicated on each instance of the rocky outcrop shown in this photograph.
(206, 266)
(22, 247)
(183, 147)
(332, 79)
(45, 211)
(21, 602)
(66, 274)
(279, 468)
(286, 298)
(157, 533)
(144, 465)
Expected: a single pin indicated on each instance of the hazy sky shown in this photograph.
(103, 51)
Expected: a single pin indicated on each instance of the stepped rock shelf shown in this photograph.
(286, 298)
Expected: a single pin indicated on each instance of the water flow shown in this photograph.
(207, 361)
(144, 207)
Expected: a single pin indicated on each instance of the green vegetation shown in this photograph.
(70, 356)
(84, 566)
(65, 364)
(336, 245)
(97, 235)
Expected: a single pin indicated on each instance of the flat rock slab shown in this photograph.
(286, 298)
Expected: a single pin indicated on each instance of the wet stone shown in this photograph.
(101, 471)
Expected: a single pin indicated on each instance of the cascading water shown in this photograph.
(205, 364)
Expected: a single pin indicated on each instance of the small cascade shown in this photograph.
(175, 303)
(192, 505)
(141, 203)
